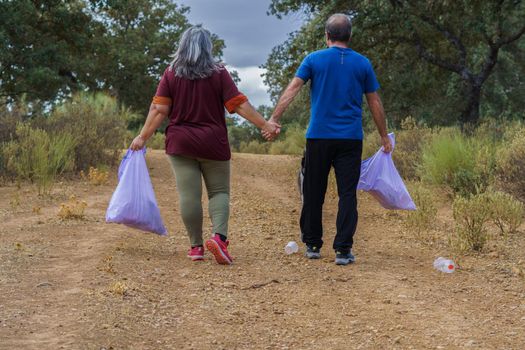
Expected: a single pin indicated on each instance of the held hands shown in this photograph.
(137, 144)
(270, 130)
(387, 144)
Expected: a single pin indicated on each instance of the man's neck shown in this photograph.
(338, 44)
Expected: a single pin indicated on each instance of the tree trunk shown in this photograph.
(470, 115)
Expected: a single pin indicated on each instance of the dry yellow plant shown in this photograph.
(73, 209)
(118, 288)
(98, 177)
(15, 201)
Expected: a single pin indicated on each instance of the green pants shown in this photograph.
(189, 173)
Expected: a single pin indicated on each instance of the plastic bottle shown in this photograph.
(291, 248)
(444, 265)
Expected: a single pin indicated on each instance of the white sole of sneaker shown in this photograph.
(196, 257)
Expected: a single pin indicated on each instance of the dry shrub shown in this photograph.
(97, 124)
(118, 288)
(73, 209)
(108, 264)
(38, 156)
(408, 150)
(371, 143)
(505, 211)
(421, 219)
(14, 201)
(510, 165)
(96, 176)
(471, 215)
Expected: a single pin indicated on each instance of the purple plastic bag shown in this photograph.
(380, 178)
(133, 203)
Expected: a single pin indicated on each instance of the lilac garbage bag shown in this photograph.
(133, 203)
(380, 178)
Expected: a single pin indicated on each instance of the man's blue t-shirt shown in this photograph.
(340, 77)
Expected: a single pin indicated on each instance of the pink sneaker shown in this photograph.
(196, 253)
(219, 249)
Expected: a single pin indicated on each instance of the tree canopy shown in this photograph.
(52, 48)
(441, 61)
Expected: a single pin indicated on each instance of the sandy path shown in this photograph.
(55, 278)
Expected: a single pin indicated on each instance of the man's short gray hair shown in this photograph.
(194, 58)
(339, 27)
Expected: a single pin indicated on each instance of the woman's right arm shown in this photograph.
(249, 113)
(157, 113)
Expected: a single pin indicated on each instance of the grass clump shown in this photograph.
(452, 159)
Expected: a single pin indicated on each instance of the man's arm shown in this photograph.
(286, 98)
(378, 113)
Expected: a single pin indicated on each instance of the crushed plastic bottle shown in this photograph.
(444, 265)
(291, 248)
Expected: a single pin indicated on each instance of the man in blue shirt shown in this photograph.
(338, 79)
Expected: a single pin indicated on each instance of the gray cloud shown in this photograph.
(249, 34)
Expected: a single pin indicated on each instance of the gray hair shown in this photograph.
(194, 58)
(339, 27)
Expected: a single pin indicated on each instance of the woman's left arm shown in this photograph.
(157, 113)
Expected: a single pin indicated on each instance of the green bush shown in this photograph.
(505, 211)
(254, 147)
(421, 219)
(451, 159)
(471, 215)
(39, 157)
(157, 141)
(293, 142)
(98, 126)
(510, 165)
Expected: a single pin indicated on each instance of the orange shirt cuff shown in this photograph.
(235, 102)
(161, 100)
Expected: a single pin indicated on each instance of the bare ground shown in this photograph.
(60, 280)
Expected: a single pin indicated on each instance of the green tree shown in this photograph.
(138, 38)
(424, 51)
(52, 48)
(44, 46)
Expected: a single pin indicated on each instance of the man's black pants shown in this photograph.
(320, 156)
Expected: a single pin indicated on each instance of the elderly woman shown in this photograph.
(193, 92)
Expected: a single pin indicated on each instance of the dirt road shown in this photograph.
(61, 282)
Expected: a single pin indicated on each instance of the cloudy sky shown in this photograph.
(249, 35)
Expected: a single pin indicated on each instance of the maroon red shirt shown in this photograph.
(197, 124)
